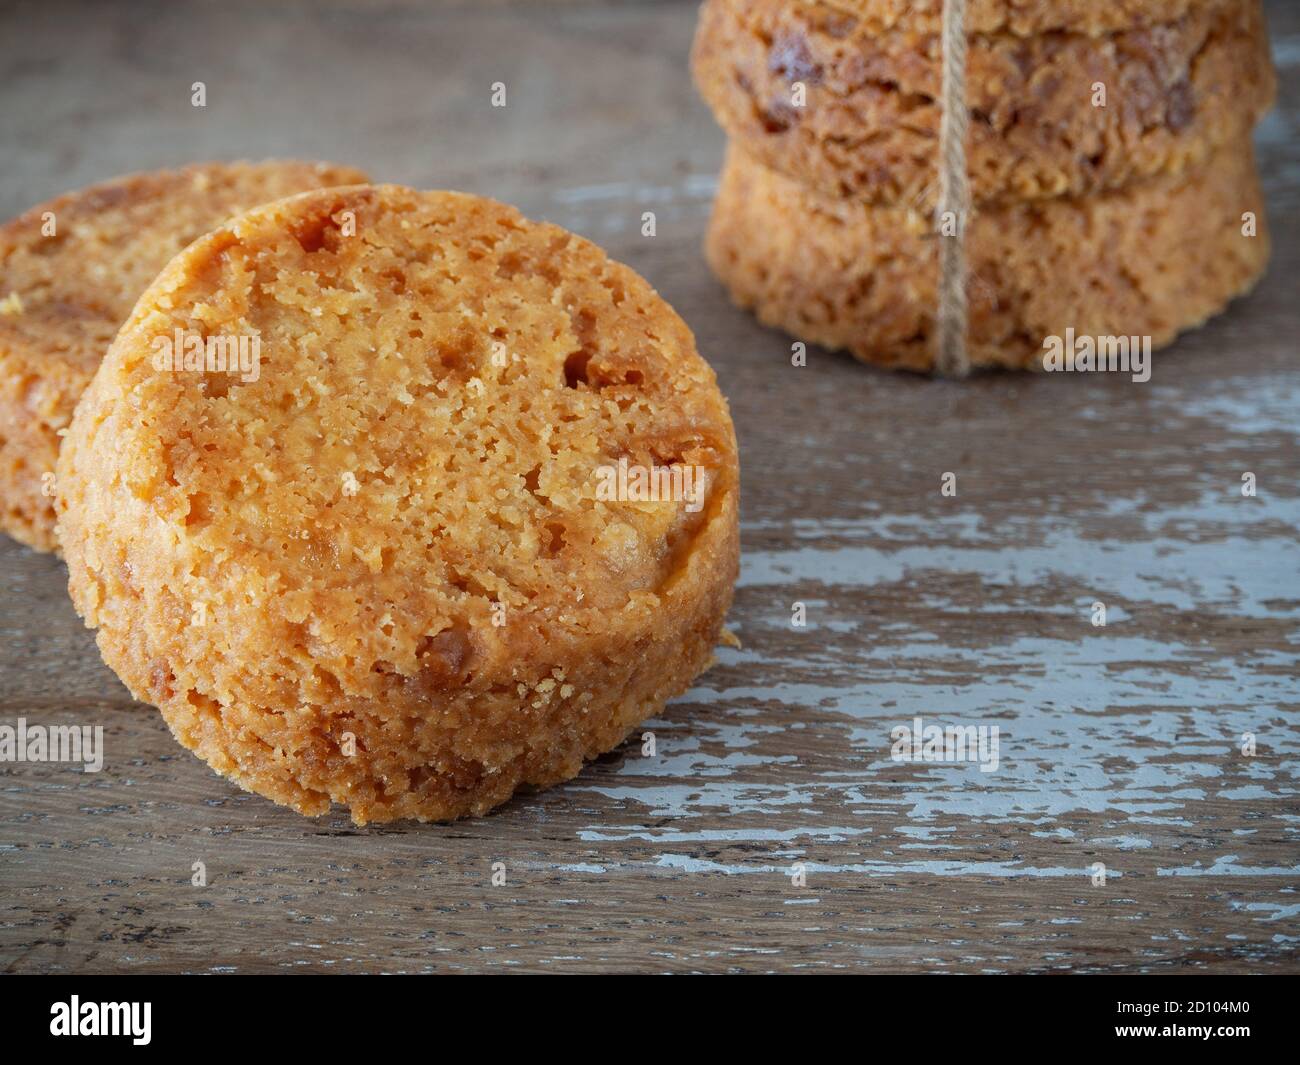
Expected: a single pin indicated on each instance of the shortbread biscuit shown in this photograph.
(1150, 260)
(70, 271)
(812, 93)
(396, 568)
(1025, 18)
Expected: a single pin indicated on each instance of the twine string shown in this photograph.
(952, 359)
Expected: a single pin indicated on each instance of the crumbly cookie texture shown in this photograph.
(384, 573)
(1024, 18)
(71, 270)
(868, 123)
(1150, 260)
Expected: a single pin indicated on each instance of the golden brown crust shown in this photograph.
(868, 126)
(417, 461)
(1024, 18)
(1153, 259)
(64, 293)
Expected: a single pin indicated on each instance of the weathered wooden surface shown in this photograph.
(1118, 744)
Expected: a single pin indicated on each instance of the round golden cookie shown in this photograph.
(1024, 18)
(822, 98)
(1151, 260)
(406, 567)
(71, 270)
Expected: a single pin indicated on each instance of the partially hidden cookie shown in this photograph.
(71, 269)
(471, 520)
(1150, 260)
(819, 96)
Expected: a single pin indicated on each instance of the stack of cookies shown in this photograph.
(1112, 177)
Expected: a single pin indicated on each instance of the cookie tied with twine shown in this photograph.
(834, 191)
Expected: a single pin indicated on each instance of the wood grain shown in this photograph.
(1119, 745)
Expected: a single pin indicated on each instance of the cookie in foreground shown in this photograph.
(71, 269)
(1153, 259)
(472, 519)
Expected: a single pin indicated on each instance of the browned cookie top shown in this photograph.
(824, 97)
(1024, 18)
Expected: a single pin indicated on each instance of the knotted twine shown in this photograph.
(951, 359)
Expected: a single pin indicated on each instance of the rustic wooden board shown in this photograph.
(1119, 745)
